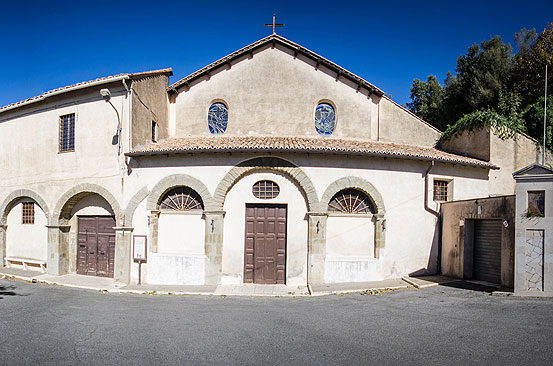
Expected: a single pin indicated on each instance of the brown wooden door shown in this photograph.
(265, 244)
(96, 251)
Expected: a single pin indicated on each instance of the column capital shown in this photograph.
(3, 227)
(123, 228)
(317, 213)
(214, 213)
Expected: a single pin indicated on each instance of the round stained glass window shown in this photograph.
(217, 118)
(325, 119)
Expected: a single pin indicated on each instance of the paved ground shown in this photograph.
(50, 325)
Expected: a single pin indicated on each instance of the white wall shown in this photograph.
(181, 233)
(234, 230)
(26, 240)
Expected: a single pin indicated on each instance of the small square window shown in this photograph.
(154, 131)
(441, 190)
(28, 213)
(536, 204)
(67, 133)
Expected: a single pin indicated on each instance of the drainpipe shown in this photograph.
(435, 213)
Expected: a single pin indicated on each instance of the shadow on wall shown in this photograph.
(433, 257)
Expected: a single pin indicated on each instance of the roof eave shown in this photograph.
(312, 151)
(63, 91)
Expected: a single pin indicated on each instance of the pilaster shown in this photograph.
(154, 225)
(56, 260)
(3, 229)
(379, 235)
(214, 224)
(317, 247)
(123, 253)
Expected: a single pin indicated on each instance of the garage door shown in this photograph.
(487, 251)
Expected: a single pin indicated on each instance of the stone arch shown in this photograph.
(69, 199)
(357, 183)
(133, 204)
(8, 203)
(290, 170)
(177, 180)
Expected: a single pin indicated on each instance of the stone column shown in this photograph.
(316, 247)
(154, 224)
(379, 234)
(123, 253)
(56, 260)
(213, 244)
(3, 229)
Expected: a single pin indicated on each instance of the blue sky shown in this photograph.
(49, 44)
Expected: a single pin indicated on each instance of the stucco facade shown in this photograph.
(271, 90)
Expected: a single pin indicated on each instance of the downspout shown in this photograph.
(435, 213)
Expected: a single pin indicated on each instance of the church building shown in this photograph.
(272, 165)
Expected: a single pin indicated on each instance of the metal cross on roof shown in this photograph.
(274, 25)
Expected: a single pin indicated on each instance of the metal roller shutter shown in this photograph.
(487, 251)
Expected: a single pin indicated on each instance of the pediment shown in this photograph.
(533, 170)
(280, 43)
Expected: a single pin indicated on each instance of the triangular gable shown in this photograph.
(272, 40)
(532, 170)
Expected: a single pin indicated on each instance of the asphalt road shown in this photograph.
(50, 325)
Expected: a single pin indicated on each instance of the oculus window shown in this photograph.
(325, 119)
(217, 118)
(265, 189)
(351, 201)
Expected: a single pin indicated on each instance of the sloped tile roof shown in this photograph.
(304, 144)
(275, 38)
(68, 88)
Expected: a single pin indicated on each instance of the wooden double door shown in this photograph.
(265, 244)
(96, 246)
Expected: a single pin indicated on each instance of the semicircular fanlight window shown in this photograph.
(217, 118)
(351, 201)
(181, 199)
(325, 119)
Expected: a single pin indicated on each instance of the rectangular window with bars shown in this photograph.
(440, 190)
(28, 213)
(67, 132)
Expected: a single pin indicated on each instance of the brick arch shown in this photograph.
(288, 169)
(177, 180)
(133, 204)
(9, 202)
(357, 183)
(61, 214)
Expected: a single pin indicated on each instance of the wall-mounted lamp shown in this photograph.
(317, 227)
(212, 225)
(384, 224)
(106, 94)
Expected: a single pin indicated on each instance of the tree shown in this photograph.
(532, 67)
(427, 97)
(533, 117)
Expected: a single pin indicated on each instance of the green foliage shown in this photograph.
(504, 128)
(531, 67)
(492, 88)
(427, 97)
(533, 117)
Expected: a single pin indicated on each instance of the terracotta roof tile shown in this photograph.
(304, 144)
